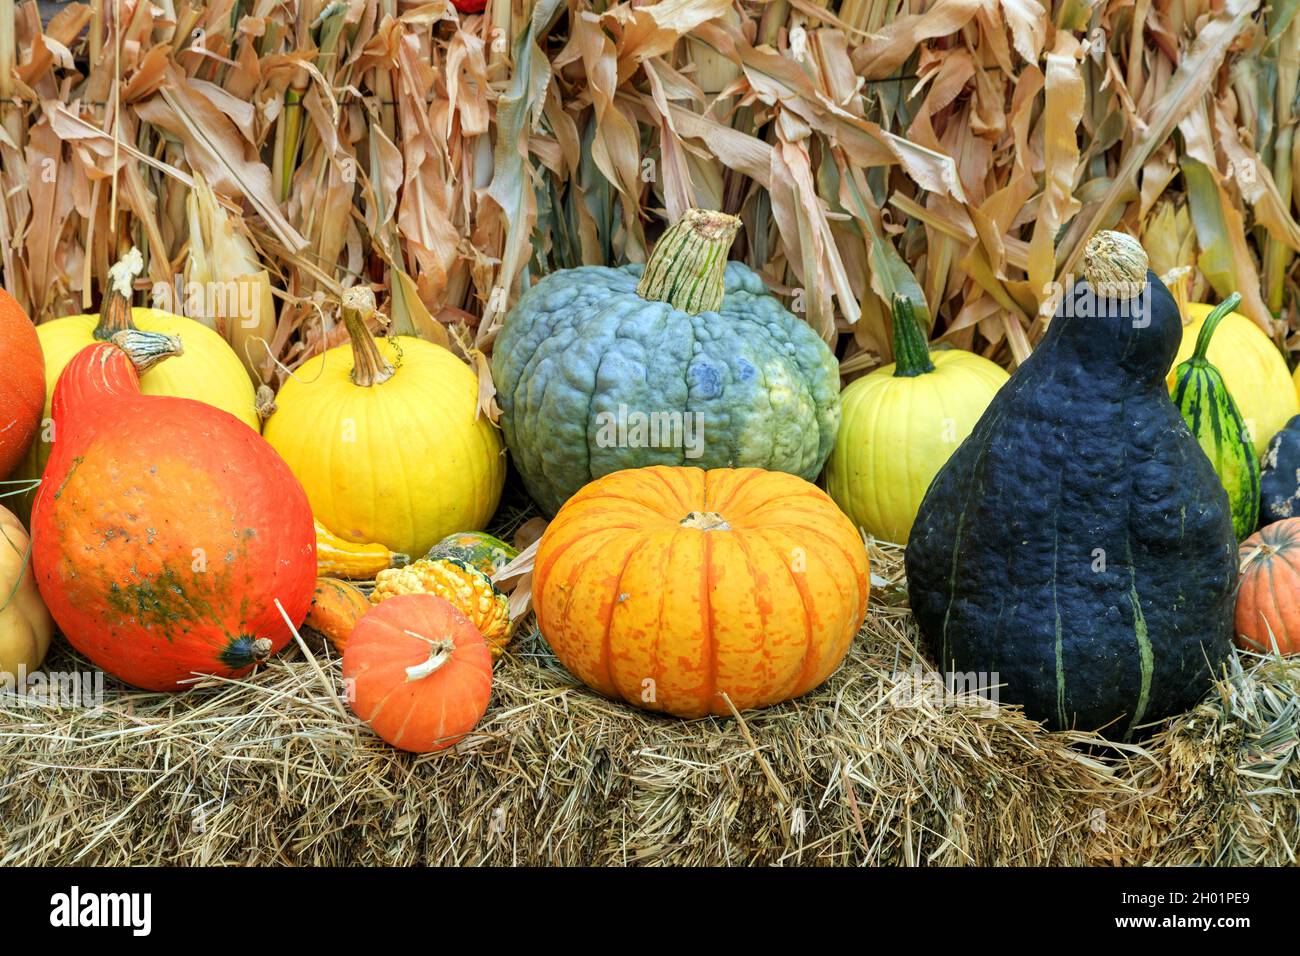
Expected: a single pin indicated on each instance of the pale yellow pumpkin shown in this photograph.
(1253, 370)
(398, 455)
(25, 625)
(207, 371)
(899, 426)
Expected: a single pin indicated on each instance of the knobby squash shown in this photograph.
(468, 589)
(1253, 370)
(1078, 547)
(689, 592)
(337, 557)
(208, 370)
(1268, 600)
(166, 530)
(25, 625)
(419, 672)
(1211, 414)
(1279, 479)
(336, 606)
(477, 549)
(688, 360)
(901, 423)
(22, 386)
(387, 438)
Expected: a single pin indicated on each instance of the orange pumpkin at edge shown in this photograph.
(22, 387)
(420, 673)
(165, 528)
(669, 586)
(1268, 596)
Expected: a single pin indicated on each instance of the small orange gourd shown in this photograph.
(1268, 598)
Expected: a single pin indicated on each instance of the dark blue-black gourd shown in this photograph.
(1079, 543)
(1279, 482)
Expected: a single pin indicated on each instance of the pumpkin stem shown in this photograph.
(440, 652)
(115, 313)
(147, 349)
(705, 521)
(1211, 323)
(911, 350)
(688, 265)
(369, 367)
(1115, 265)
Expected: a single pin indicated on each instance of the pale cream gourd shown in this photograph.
(25, 625)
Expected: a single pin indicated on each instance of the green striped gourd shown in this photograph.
(1207, 407)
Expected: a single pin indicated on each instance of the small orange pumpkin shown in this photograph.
(668, 587)
(1268, 599)
(420, 672)
(336, 606)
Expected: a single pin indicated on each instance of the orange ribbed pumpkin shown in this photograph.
(22, 384)
(1268, 598)
(420, 672)
(670, 587)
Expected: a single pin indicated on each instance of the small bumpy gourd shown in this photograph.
(468, 589)
(689, 361)
(1079, 544)
(1279, 481)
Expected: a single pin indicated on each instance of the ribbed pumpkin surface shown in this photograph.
(1268, 599)
(669, 587)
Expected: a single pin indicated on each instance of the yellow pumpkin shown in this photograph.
(901, 423)
(1253, 370)
(208, 370)
(25, 625)
(387, 439)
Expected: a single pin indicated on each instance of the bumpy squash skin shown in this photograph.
(581, 343)
(165, 531)
(468, 589)
(478, 549)
(1279, 480)
(1080, 458)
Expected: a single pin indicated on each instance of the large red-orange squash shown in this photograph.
(1268, 600)
(22, 383)
(165, 529)
(669, 587)
(420, 673)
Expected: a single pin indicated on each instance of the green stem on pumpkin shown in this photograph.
(147, 349)
(115, 313)
(911, 350)
(688, 265)
(369, 367)
(1211, 323)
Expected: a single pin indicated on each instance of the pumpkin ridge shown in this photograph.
(706, 607)
(609, 620)
(1283, 639)
(800, 684)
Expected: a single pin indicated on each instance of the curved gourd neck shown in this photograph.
(115, 313)
(687, 268)
(911, 350)
(369, 367)
(1219, 313)
(107, 370)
